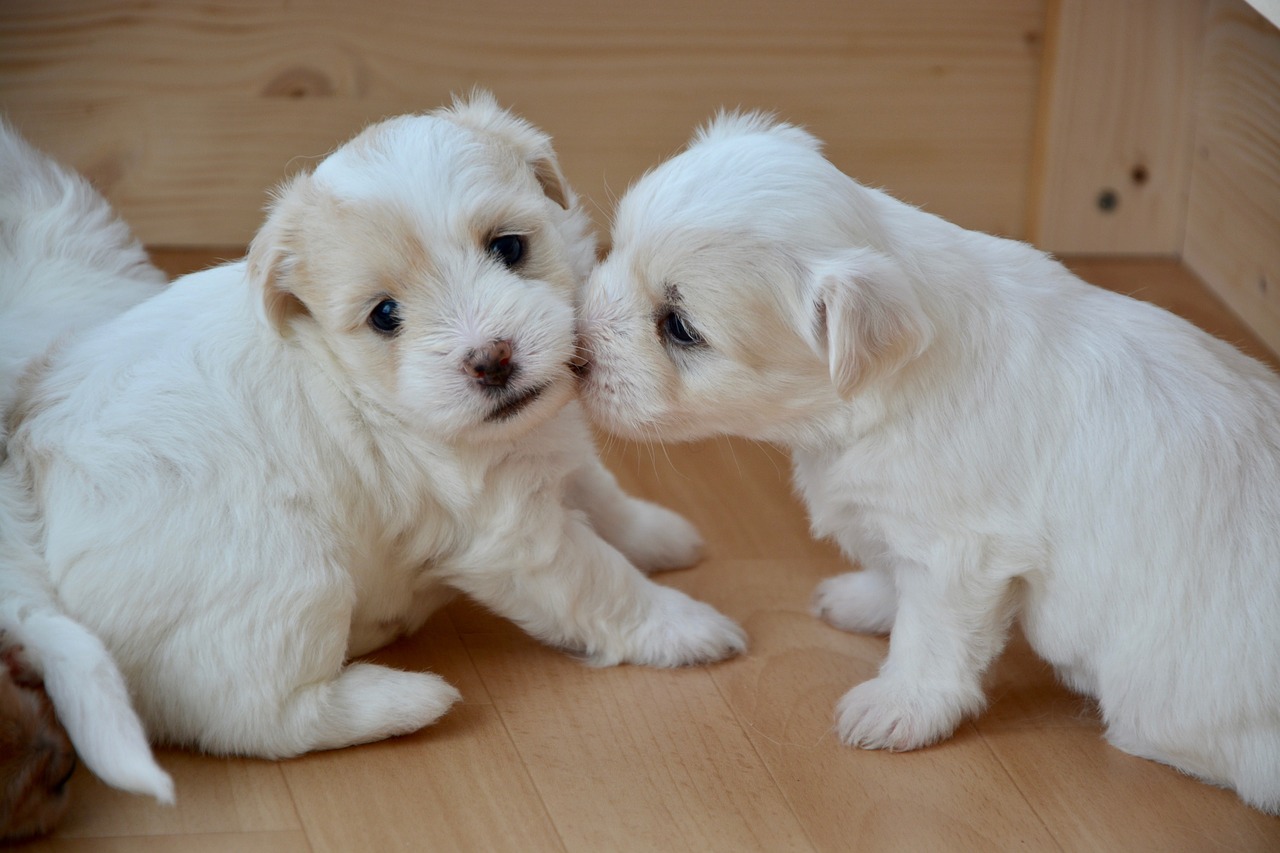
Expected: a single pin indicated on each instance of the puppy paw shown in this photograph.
(862, 602)
(367, 702)
(657, 539)
(882, 714)
(681, 632)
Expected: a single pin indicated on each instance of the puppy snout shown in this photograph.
(490, 365)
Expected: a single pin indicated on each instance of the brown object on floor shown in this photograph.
(36, 757)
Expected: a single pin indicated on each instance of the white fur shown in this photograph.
(241, 484)
(988, 436)
(66, 263)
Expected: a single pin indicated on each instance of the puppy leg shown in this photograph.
(950, 625)
(362, 703)
(862, 602)
(650, 536)
(290, 690)
(584, 595)
(365, 703)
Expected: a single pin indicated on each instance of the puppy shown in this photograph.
(988, 436)
(67, 263)
(36, 758)
(285, 462)
(66, 260)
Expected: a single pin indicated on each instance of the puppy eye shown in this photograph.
(680, 332)
(385, 317)
(508, 248)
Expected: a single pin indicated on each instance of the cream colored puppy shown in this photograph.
(282, 463)
(990, 437)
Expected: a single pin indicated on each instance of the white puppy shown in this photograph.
(990, 437)
(67, 263)
(285, 462)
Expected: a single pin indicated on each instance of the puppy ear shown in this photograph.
(553, 184)
(273, 255)
(480, 112)
(864, 317)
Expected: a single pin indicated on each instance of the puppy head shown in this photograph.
(749, 290)
(434, 260)
(36, 758)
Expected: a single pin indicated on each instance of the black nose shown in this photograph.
(490, 365)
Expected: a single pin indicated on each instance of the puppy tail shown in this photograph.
(56, 224)
(86, 687)
(93, 704)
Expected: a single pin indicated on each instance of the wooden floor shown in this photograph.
(547, 754)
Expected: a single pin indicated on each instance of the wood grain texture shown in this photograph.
(1233, 221)
(1269, 9)
(547, 754)
(1116, 121)
(186, 113)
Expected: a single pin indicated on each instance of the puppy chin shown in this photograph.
(632, 421)
(517, 411)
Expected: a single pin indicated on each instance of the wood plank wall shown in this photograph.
(185, 113)
(1173, 108)
(1114, 147)
(1233, 221)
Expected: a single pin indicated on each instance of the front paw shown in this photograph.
(883, 714)
(657, 539)
(863, 602)
(681, 632)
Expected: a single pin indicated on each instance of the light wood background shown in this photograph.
(545, 754)
(186, 112)
(1010, 116)
(1172, 106)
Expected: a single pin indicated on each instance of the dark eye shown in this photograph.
(680, 332)
(385, 317)
(509, 248)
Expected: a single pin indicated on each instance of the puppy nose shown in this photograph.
(491, 364)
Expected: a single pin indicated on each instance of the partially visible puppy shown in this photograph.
(36, 758)
(282, 463)
(67, 264)
(990, 437)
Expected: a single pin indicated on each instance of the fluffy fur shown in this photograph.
(66, 263)
(988, 436)
(282, 463)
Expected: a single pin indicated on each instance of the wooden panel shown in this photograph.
(1114, 138)
(213, 795)
(185, 113)
(588, 738)
(784, 694)
(1233, 220)
(241, 842)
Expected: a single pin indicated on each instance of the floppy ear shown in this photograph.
(864, 316)
(480, 112)
(273, 256)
